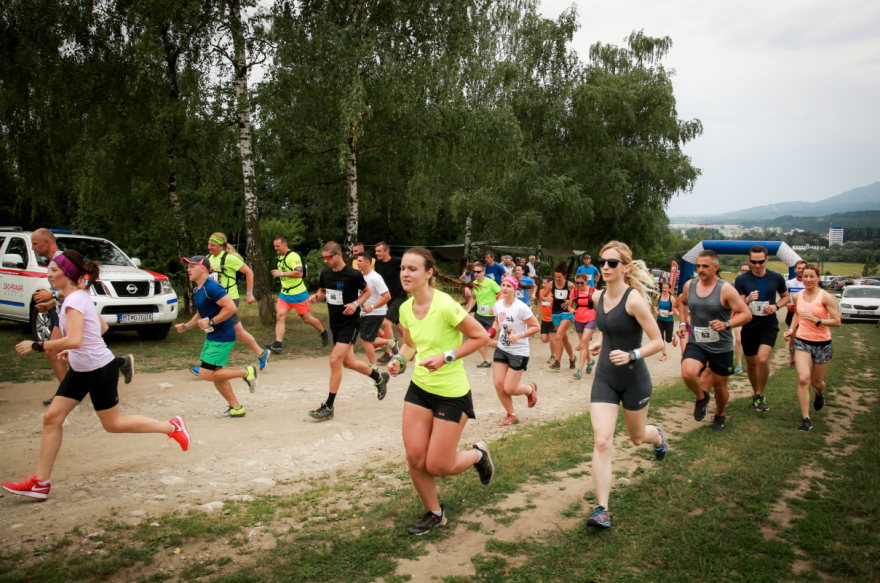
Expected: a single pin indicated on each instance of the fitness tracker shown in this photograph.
(635, 355)
(449, 356)
(727, 324)
(819, 322)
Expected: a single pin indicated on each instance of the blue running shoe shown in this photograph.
(600, 518)
(195, 370)
(264, 359)
(660, 452)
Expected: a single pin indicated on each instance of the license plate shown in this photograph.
(865, 312)
(134, 318)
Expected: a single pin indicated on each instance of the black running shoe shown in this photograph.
(274, 347)
(427, 522)
(660, 452)
(484, 365)
(805, 425)
(702, 406)
(384, 359)
(819, 402)
(756, 399)
(127, 368)
(571, 365)
(382, 385)
(763, 406)
(484, 467)
(322, 413)
(718, 423)
(48, 401)
(325, 338)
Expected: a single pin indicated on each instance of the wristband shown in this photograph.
(791, 329)
(449, 357)
(402, 360)
(639, 353)
(250, 293)
(682, 324)
(187, 326)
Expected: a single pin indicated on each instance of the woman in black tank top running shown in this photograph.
(622, 376)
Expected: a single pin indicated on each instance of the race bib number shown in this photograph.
(520, 294)
(484, 310)
(334, 297)
(664, 313)
(705, 335)
(215, 277)
(757, 308)
(561, 294)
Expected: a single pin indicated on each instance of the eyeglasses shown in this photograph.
(612, 263)
(760, 262)
(478, 271)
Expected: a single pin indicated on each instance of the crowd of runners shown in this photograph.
(392, 306)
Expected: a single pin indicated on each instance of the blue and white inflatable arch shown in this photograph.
(779, 248)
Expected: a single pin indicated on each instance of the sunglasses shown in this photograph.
(760, 262)
(582, 283)
(328, 257)
(612, 263)
(478, 271)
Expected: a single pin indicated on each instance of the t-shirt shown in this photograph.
(583, 312)
(496, 271)
(205, 298)
(793, 285)
(512, 320)
(389, 271)
(546, 300)
(435, 335)
(486, 292)
(767, 288)
(226, 277)
(342, 287)
(290, 286)
(592, 271)
(93, 353)
(524, 294)
(377, 288)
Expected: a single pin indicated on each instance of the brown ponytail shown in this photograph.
(428, 259)
(92, 269)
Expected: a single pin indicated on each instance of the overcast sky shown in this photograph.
(788, 91)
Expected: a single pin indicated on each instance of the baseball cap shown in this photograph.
(197, 260)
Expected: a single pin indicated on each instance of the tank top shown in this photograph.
(665, 305)
(620, 331)
(807, 330)
(559, 295)
(703, 311)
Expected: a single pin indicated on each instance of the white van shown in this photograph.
(127, 297)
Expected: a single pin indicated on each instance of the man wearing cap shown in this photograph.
(592, 273)
(214, 310)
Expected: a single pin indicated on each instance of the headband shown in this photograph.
(67, 266)
(216, 240)
(511, 280)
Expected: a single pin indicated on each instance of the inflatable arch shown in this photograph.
(779, 248)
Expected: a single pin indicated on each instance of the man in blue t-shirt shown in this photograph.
(758, 288)
(214, 308)
(526, 289)
(592, 273)
(494, 270)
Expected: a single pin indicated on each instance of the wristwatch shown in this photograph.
(632, 356)
(449, 357)
(727, 324)
(37, 346)
(211, 323)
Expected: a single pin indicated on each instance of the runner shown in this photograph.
(584, 321)
(225, 263)
(622, 376)
(494, 271)
(294, 294)
(681, 310)
(793, 286)
(737, 332)
(663, 306)
(526, 290)
(485, 291)
(340, 284)
(562, 318)
(374, 310)
(388, 269)
(548, 330)
(816, 312)
(93, 371)
(710, 302)
(593, 275)
(758, 288)
(356, 251)
(438, 402)
(214, 314)
(514, 322)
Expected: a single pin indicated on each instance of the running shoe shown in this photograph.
(382, 385)
(274, 347)
(533, 396)
(805, 427)
(509, 420)
(551, 360)
(484, 467)
(231, 413)
(572, 364)
(484, 365)
(674, 341)
(264, 360)
(31, 488)
(718, 423)
(578, 374)
(325, 338)
(374, 367)
(127, 368)
(763, 406)
(48, 401)
(819, 402)
(251, 378)
(428, 521)
(792, 364)
(702, 406)
(322, 413)
(737, 370)
(600, 517)
(662, 358)
(660, 452)
(555, 365)
(179, 433)
(395, 347)
(590, 367)
(756, 400)
(384, 359)
(195, 370)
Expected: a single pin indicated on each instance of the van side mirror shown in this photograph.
(13, 260)
(136, 262)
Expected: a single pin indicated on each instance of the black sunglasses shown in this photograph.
(478, 271)
(612, 263)
(761, 262)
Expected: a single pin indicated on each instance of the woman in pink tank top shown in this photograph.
(815, 313)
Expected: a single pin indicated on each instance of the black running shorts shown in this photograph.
(445, 408)
(820, 352)
(547, 327)
(666, 327)
(753, 339)
(370, 326)
(512, 360)
(720, 363)
(100, 384)
(393, 314)
(634, 394)
(485, 321)
(345, 334)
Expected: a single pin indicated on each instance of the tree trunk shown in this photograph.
(351, 221)
(468, 230)
(251, 207)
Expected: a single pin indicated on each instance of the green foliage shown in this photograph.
(870, 268)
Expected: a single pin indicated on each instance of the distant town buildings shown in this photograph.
(835, 236)
(807, 247)
(793, 231)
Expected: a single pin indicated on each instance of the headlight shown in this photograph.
(847, 306)
(166, 287)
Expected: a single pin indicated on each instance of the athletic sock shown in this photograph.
(479, 459)
(330, 400)
(374, 374)
(437, 513)
(46, 483)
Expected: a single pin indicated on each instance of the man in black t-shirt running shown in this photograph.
(339, 284)
(388, 268)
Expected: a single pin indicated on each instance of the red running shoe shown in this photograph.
(510, 420)
(674, 341)
(179, 434)
(533, 396)
(662, 358)
(30, 487)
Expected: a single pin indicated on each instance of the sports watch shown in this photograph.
(449, 356)
(211, 323)
(632, 356)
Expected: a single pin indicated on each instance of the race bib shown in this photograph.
(520, 294)
(484, 310)
(334, 297)
(215, 277)
(664, 313)
(757, 308)
(705, 335)
(561, 294)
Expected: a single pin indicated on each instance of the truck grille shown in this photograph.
(151, 309)
(157, 288)
(132, 289)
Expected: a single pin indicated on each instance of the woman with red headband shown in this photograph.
(93, 371)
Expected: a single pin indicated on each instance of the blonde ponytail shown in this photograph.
(637, 277)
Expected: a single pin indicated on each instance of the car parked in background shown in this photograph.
(860, 302)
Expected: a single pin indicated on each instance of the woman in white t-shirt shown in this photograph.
(93, 371)
(514, 323)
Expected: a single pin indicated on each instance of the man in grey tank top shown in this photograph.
(707, 305)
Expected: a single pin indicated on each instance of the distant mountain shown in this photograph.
(858, 199)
